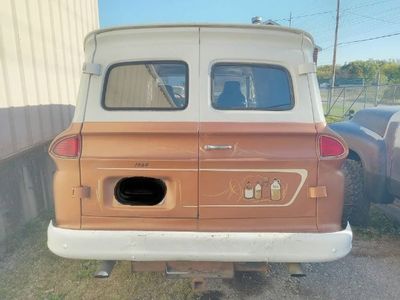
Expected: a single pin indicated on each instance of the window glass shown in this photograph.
(149, 85)
(251, 87)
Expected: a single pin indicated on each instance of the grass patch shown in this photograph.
(33, 229)
(332, 119)
(28, 270)
(379, 225)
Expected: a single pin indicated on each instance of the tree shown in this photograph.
(324, 73)
(391, 70)
(367, 70)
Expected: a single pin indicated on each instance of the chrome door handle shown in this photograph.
(218, 147)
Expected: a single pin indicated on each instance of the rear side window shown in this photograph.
(146, 86)
(251, 87)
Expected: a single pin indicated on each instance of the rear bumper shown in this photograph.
(199, 246)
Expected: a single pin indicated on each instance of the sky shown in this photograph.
(359, 20)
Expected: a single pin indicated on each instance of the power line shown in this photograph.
(386, 15)
(332, 11)
(304, 16)
(381, 15)
(373, 18)
(350, 23)
(365, 40)
(366, 5)
(358, 29)
(370, 39)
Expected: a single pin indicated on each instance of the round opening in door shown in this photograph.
(143, 191)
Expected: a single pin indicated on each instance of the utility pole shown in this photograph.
(290, 19)
(378, 81)
(334, 52)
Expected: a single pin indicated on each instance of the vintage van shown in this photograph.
(199, 143)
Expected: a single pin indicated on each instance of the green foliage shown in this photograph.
(324, 73)
(389, 71)
(361, 69)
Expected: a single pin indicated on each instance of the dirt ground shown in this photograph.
(372, 271)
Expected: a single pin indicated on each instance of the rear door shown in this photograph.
(141, 122)
(257, 138)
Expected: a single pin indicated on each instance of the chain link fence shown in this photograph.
(342, 101)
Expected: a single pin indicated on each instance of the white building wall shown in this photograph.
(41, 55)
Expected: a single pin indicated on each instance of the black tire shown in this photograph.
(356, 203)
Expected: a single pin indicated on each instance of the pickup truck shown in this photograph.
(372, 167)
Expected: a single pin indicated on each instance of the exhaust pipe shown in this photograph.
(295, 270)
(105, 269)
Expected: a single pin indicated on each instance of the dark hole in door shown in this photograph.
(140, 191)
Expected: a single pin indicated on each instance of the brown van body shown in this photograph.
(234, 145)
(111, 151)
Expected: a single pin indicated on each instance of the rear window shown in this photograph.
(251, 87)
(146, 86)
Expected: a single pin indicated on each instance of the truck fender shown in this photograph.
(370, 148)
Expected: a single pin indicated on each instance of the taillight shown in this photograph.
(68, 147)
(330, 147)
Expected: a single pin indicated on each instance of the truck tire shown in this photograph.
(356, 203)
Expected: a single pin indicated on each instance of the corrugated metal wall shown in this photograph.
(41, 55)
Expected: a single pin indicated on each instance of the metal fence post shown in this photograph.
(344, 100)
(365, 96)
(328, 102)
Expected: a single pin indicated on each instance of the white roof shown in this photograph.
(282, 29)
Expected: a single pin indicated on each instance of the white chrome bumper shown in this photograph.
(199, 246)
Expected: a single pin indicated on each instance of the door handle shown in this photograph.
(218, 147)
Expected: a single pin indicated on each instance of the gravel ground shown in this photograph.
(371, 271)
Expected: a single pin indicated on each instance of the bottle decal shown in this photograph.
(248, 191)
(276, 190)
(257, 191)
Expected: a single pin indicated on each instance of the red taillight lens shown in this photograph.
(330, 147)
(67, 147)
